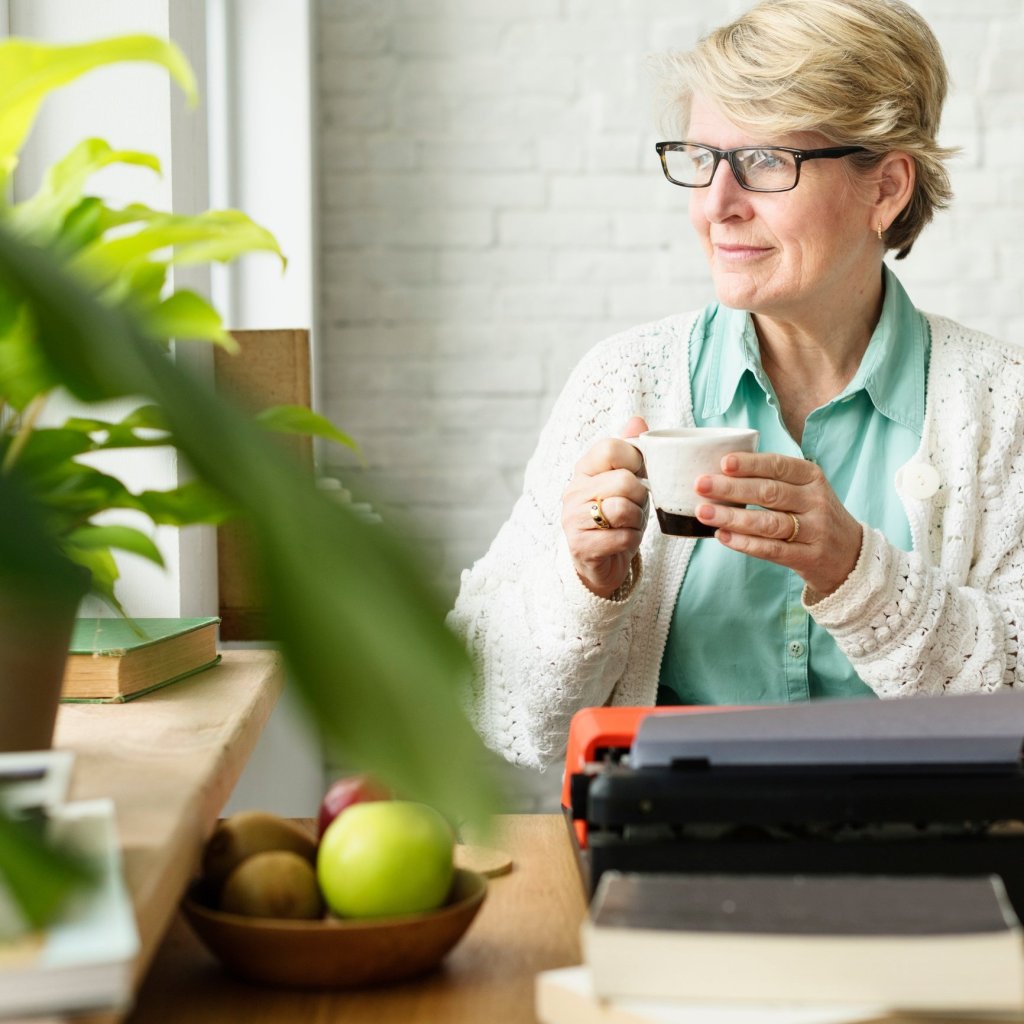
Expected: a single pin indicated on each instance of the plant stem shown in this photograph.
(25, 428)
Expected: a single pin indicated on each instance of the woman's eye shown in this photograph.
(766, 159)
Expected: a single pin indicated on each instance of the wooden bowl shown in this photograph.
(335, 953)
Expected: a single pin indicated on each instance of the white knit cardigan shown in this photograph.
(944, 618)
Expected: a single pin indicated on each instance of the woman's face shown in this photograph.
(787, 255)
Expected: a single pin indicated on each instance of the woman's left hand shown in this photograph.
(800, 522)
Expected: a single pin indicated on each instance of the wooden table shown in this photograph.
(529, 922)
(169, 761)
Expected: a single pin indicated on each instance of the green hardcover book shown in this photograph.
(112, 660)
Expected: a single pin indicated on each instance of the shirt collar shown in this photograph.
(892, 371)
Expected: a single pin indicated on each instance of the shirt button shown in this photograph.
(919, 481)
(796, 649)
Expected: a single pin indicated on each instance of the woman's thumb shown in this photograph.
(635, 426)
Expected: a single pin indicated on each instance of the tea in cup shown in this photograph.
(675, 458)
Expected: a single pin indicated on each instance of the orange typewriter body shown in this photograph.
(600, 735)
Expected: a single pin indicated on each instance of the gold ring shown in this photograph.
(597, 514)
(796, 528)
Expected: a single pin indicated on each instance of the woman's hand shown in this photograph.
(801, 523)
(605, 489)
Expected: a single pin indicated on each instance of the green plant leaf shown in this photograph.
(30, 70)
(145, 416)
(39, 876)
(41, 216)
(133, 213)
(88, 221)
(115, 435)
(74, 492)
(31, 564)
(23, 371)
(359, 624)
(299, 419)
(123, 538)
(219, 235)
(144, 284)
(191, 503)
(48, 450)
(187, 316)
(102, 567)
(82, 225)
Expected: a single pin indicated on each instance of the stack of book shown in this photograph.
(778, 949)
(84, 960)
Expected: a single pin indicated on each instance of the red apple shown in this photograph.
(353, 789)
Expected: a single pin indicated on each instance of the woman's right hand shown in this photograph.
(606, 477)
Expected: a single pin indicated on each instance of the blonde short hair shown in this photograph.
(860, 72)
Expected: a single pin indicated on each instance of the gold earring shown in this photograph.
(880, 231)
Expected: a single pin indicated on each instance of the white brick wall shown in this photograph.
(491, 206)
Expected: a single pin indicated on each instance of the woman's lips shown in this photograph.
(739, 253)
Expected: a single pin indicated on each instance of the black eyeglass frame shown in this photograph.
(800, 156)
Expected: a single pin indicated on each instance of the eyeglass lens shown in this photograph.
(767, 169)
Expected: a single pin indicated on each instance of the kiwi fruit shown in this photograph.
(247, 833)
(277, 883)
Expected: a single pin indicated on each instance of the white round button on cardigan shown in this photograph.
(918, 481)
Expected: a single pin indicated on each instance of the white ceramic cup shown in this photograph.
(675, 458)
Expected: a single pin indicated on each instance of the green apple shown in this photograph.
(384, 859)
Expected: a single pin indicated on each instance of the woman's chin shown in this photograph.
(744, 290)
(735, 294)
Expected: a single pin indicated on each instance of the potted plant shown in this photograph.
(126, 254)
(84, 308)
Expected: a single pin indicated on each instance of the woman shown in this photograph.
(882, 553)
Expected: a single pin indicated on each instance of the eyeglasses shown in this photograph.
(756, 168)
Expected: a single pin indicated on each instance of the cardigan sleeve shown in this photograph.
(542, 644)
(909, 629)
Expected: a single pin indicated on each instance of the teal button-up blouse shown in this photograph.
(739, 633)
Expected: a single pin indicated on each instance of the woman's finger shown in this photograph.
(771, 466)
(767, 523)
(615, 513)
(768, 493)
(610, 453)
(616, 482)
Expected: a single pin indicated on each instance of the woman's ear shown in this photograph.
(894, 184)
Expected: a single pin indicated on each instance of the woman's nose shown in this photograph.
(724, 197)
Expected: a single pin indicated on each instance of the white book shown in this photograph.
(84, 960)
(916, 943)
(566, 996)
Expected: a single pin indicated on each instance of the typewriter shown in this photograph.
(925, 785)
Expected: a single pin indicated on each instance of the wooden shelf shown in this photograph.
(169, 761)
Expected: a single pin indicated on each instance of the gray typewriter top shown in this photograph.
(975, 729)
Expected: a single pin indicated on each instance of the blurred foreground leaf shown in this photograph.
(37, 875)
(360, 627)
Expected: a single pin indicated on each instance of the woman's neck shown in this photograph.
(811, 359)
